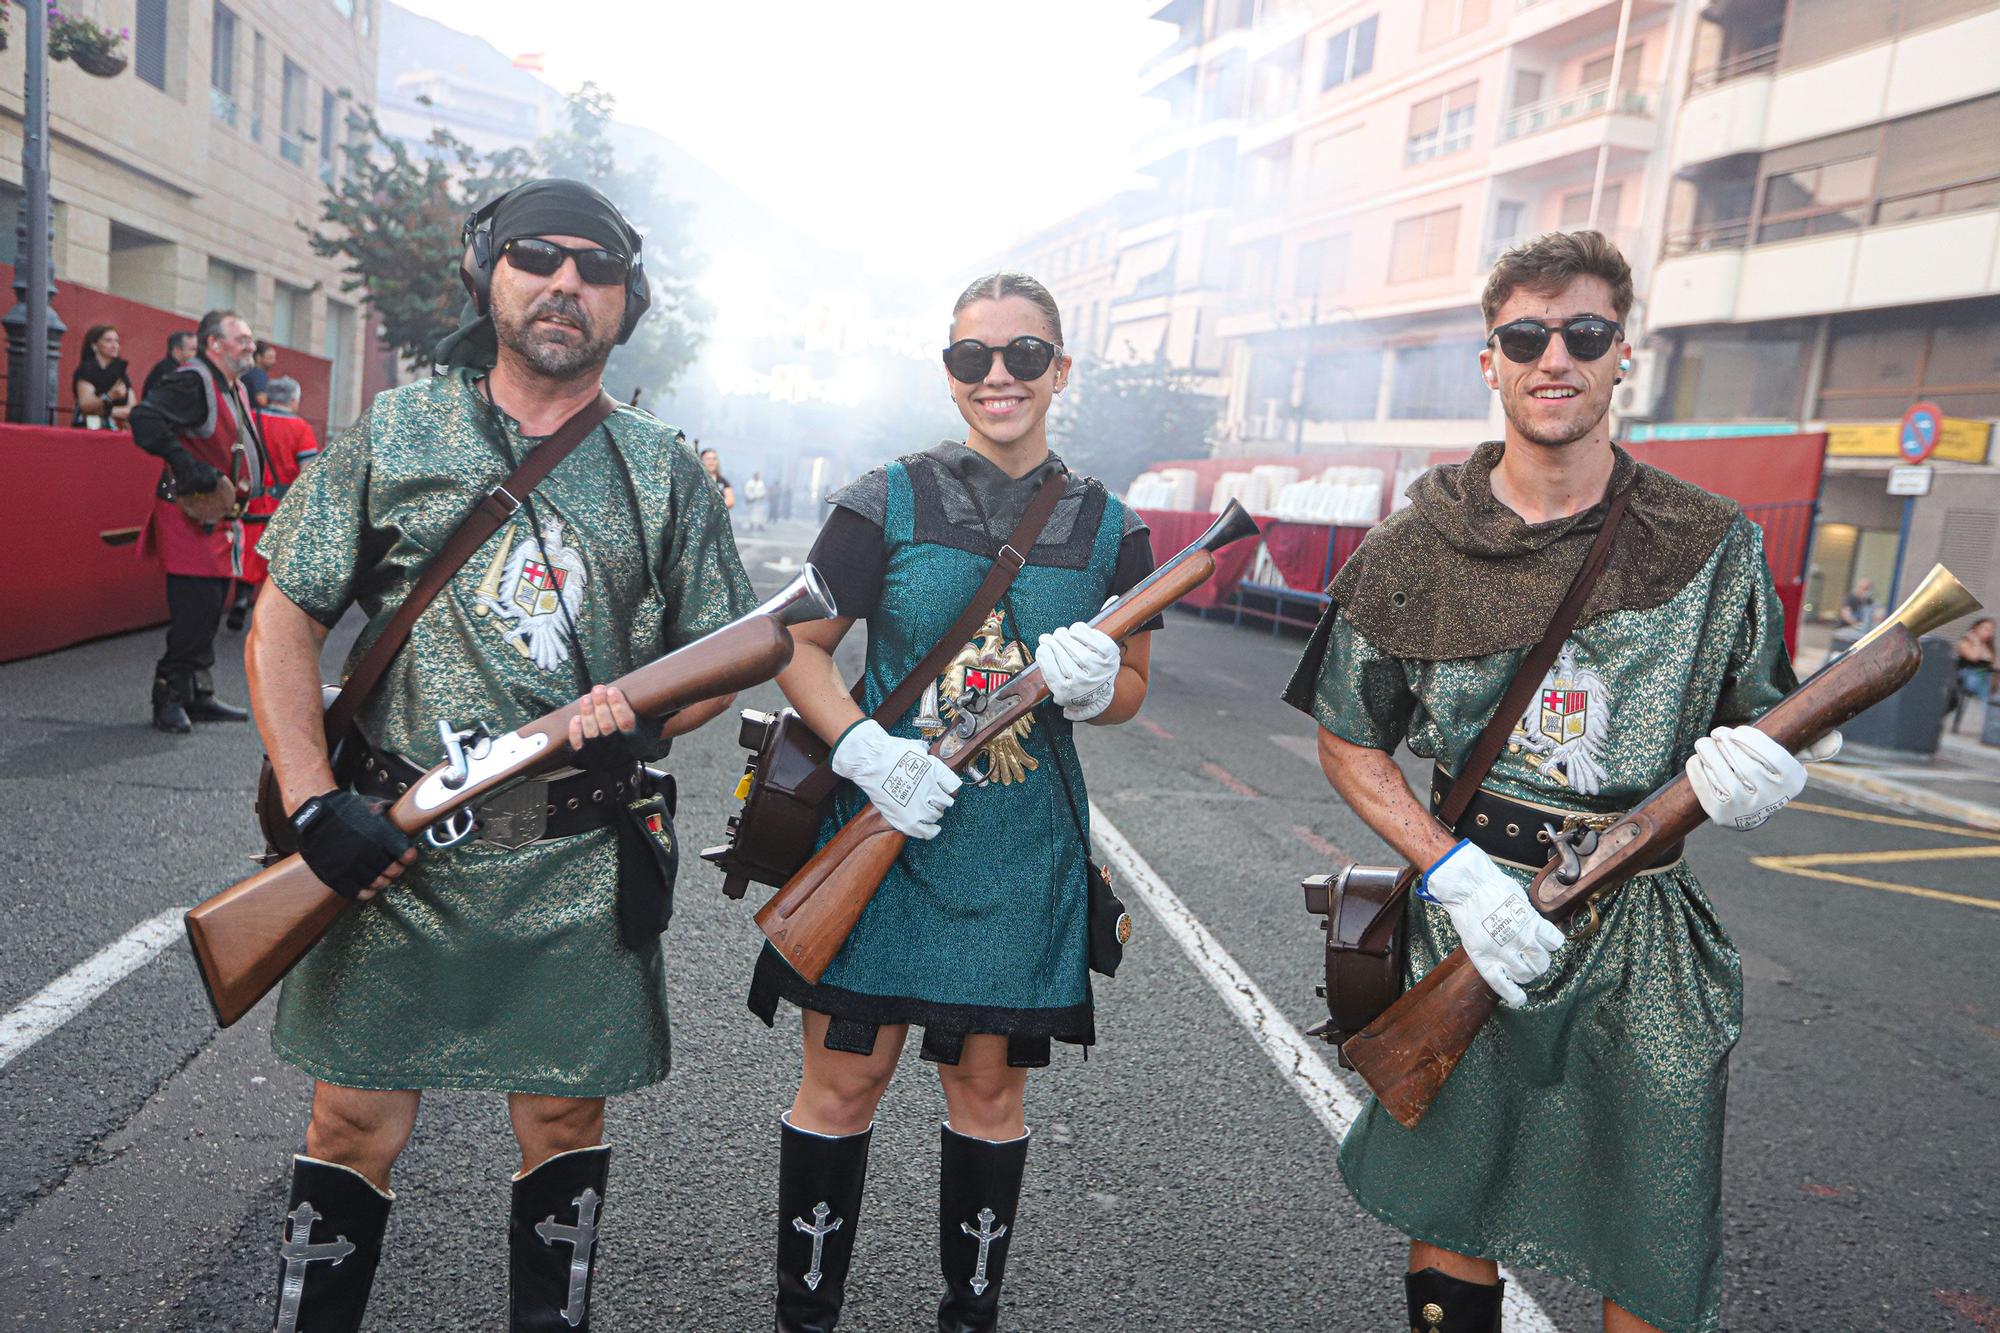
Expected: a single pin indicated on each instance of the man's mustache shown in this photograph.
(563, 307)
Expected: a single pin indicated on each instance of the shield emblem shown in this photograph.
(1563, 714)
(538, 588)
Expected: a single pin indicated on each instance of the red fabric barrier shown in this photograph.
(1299, 552)
(142, 331)
(80, 497)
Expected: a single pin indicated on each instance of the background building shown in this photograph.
(181, 183)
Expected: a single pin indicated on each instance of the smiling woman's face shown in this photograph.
(1000, 408)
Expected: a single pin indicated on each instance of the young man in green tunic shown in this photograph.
(515, 968)
(1582, 1132)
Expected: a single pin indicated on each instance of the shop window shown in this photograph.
(1342, 384)
(1438, 380)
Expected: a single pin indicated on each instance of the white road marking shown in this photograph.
(1325, 1093)
(72, 992)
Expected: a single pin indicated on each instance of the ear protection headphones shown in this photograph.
(475, 270)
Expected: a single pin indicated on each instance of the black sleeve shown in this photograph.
(176, 402)
(1135, 562)
(851, 556)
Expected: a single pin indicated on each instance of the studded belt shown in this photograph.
(1517, 832)
(535, 810)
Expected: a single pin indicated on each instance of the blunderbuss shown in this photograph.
(1408, 1052)
(810, 917)
(248, 936)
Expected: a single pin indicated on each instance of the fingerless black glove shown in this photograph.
(616, 753)
(191, 475)
(346, 839)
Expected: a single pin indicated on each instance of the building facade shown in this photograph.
(181, 183)
(1831, 257)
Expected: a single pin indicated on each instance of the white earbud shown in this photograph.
(1624, 365)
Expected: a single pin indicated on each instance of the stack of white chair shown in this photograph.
(1246, 488)
(1406, 477)
(1264, 572)
(1347, 496)
(1170, 488)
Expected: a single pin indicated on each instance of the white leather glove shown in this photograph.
(1742, 777)
(909, 785)
(1508, 941)
(1081, 666)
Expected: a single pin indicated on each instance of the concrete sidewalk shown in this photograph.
(1961, 782)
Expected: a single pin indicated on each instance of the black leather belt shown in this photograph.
(1517, 832)
(536, 810)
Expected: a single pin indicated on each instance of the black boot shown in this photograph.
(979, 1185)
(203, 707)
(1444, 1304)
(552, 1241)
(819, 1206)
(170, 705)
(332, 1242)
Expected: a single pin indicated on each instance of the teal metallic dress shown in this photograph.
(982, 929)
(1582, 1133)
(484, 967)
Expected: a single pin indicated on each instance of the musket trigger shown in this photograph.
(459, 825)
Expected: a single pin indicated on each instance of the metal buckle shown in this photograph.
(512, 818)
(506, 498)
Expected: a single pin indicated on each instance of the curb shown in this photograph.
(1904, 796)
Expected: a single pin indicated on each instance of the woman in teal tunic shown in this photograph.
(979, 932)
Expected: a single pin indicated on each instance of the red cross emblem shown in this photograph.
(1564, 702)
(539, 576)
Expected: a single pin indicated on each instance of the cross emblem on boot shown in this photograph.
(295, 1254)
(986, 1235)
(819, 1229)
(582, 1239)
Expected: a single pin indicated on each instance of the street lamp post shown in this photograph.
(34, 330)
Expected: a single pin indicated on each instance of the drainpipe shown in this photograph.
(1610, 108)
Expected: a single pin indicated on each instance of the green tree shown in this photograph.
(1118, 420)
(396, 217)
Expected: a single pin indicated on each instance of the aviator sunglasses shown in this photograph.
(1026, 358)
(1587, 337)
(598, 267)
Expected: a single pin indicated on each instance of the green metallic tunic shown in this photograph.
(1582, 1133)
(487, 968)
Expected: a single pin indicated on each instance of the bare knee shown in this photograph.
(545, 1126)
(1452, 1264)
(841, 1099)
(984, 1096)
(360, 1128)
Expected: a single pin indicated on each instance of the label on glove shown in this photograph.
(1507, 920)
(904, 777)
(1757, 818)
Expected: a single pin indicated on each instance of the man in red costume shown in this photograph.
(196, 421)
(289, 444)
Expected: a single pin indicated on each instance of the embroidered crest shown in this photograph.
(530, 591)
(1564, 731)
(970, 680)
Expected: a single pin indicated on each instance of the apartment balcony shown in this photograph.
(1704, 278)
(1559, 128)
(1724, 118)
(1563, 22)
(1627, 239)
(1180, 137)
(1177, 59)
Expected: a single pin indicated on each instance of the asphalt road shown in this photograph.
(1178, 1179)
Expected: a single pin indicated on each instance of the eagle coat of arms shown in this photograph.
(531, 587)
(968, 683)
(1563, 732)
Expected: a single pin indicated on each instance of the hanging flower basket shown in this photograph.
(95, 49)
(98, 63)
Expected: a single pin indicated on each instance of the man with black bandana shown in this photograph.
(527, 962)
(1582, 1132)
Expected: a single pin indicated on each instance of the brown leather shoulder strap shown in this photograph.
(1012, 556)
(1533, 667)
(493, 509)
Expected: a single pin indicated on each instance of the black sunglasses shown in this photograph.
(1587, 337)
(596, 266)
(1026, 358)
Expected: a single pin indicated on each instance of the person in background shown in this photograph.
(100, 388)
(289, 444)
(757, 502)
(257, 379)
(712, 461)
(1973, 659)
(1858, 611)
(180, 351)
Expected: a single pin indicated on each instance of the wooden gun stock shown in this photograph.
(248, 936)
(809, 919)
(1406, 1055)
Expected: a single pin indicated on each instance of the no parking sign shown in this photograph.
(1923, 426)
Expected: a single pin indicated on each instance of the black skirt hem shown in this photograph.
(856, 1017)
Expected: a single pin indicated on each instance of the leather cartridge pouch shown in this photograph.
(1366, 948)
(789, 776)
(209, 508)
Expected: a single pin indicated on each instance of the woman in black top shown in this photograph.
(99, 386)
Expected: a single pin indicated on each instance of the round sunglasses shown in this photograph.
(1026, 358)
(1586, 337)
(596, 266)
